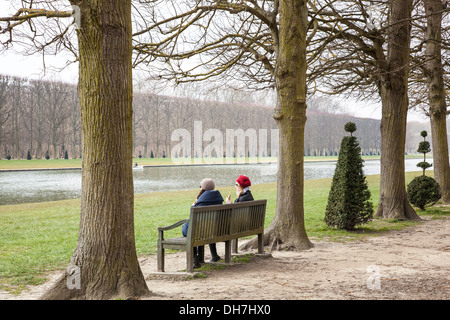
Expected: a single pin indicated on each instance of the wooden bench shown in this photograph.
(211, 224)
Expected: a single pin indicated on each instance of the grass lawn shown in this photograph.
(41, 237)
(63, 163)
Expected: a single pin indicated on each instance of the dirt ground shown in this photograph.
(410, 264)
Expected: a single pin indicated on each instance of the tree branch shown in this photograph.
(24, 14)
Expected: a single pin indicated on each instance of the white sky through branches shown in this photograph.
(15, 64)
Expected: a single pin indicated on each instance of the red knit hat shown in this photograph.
(243, 181)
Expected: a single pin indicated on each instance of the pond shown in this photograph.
(48, 185)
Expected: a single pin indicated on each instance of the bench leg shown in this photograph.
(260, 243)
(160, 259)
(190, 259)
(228, 251)
(234, 245)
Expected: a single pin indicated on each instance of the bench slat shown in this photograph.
(179, 240)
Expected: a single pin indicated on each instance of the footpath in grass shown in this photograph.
(41, 237)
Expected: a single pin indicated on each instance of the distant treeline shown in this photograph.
(41, 119)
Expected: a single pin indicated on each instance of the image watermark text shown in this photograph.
(217, 146)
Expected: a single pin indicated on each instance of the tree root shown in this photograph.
(276, 243)
(126, 288)
(401, 212)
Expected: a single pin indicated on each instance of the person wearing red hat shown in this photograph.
(242, 190)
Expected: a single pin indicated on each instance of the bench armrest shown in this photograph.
(173, 226)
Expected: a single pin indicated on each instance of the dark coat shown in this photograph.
(246, 196)
(208, 198)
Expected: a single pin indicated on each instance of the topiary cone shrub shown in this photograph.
(349, 202)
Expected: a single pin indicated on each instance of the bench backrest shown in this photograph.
(218, 223)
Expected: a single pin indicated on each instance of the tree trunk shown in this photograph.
(394, 202)
(287, 230)
(39, 128)
(438, 116)
(105, 259)
(436, 96)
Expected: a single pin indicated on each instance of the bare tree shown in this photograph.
(156, 104)
(28, 112)
(18, 90)
(430, 69)
(55, 95)
(4, 110)
(204, 40)
(363, 47)
(74, 125)
(106, 235)
(37, 95)
(261, 44)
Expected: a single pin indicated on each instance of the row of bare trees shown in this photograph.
(38, 116)
(323, 131)
(43, 117)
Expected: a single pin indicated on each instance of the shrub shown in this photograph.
(424, 147)
(350, 127)
(349, 198)
(423, 191)
(424, 165)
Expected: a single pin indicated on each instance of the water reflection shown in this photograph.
(37, 186)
